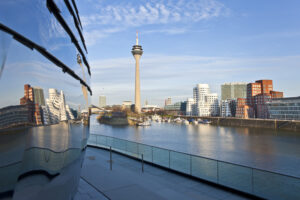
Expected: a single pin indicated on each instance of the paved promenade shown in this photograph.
(126, 181)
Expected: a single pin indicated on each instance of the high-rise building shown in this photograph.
(137, 52)
(34, 108)
(102, 101)
(253, 89)
(233, 90)
(258, 94)
(275, 94)
(168, 101)
(225, 108)
(39, 96)
(205, 103)
(242, 109)
(190, 107)
(261, 108)
(200, 91)
(266, 86)
(57, 108)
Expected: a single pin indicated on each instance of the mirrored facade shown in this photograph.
(45, 93)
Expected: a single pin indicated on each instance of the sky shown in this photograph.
(187, 42)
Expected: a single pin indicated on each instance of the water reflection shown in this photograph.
(44, 121)
(262, 148)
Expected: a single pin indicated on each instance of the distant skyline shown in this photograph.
(189, 42)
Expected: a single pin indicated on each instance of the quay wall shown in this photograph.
(256, 123)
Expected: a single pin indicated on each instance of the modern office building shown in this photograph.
(58, 110)
(266, 86)
(261, 108)
(34, 108)
(275, 94)
(39, 96)
(190, 107)
(200, 91)
(225, 109)
(242, 109)
(212, 102)
(14, 116)
(284, 108)
(102, 101)
(253, 89)
(233, 90)
(258, 94)
(168, 101)
(126, 104)
(150, 108)
(178, 108)
(206, 103)
(137, 52)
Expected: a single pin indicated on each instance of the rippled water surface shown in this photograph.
(268, 149)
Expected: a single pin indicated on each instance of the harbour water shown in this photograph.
(277, 151)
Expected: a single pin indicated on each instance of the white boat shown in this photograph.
(195, 122)
(145, 123)
(178, 120)
(186, 122)
(155, 117)
(203, 121)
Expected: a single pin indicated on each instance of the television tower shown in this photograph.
(137, 52)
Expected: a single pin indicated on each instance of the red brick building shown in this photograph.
(266, 86)
(261, 108)
(253, 89)
(34, 108)
(276, 94)
(258, 94)
(242, 109)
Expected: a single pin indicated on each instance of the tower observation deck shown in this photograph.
(137, 52)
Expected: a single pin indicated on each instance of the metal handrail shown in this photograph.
(200, 156)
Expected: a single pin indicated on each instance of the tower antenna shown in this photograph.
(137, 38)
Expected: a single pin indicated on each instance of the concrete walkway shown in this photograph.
(126, 181)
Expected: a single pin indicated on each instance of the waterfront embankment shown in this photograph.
(255, 123)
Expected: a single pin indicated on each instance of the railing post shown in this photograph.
(169, 160)
(110, 160)
(252, 181)
(190, 165)
(217, 171)
(152, 153)
(142, 163)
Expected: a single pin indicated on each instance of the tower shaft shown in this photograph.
(137, 98)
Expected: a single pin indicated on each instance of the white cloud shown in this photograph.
(156, 12)
(168, 13)
(93, 36)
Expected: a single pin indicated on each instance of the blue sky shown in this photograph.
(187, 42)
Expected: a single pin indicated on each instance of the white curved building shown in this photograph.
(57, 108)
(190, 106)
(200, 91)
(205, 103)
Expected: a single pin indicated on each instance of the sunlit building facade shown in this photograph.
(206, 103)
(284, 108)
(233, 90)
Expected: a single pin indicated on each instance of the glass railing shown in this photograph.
(36, 159)
(261, 183)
